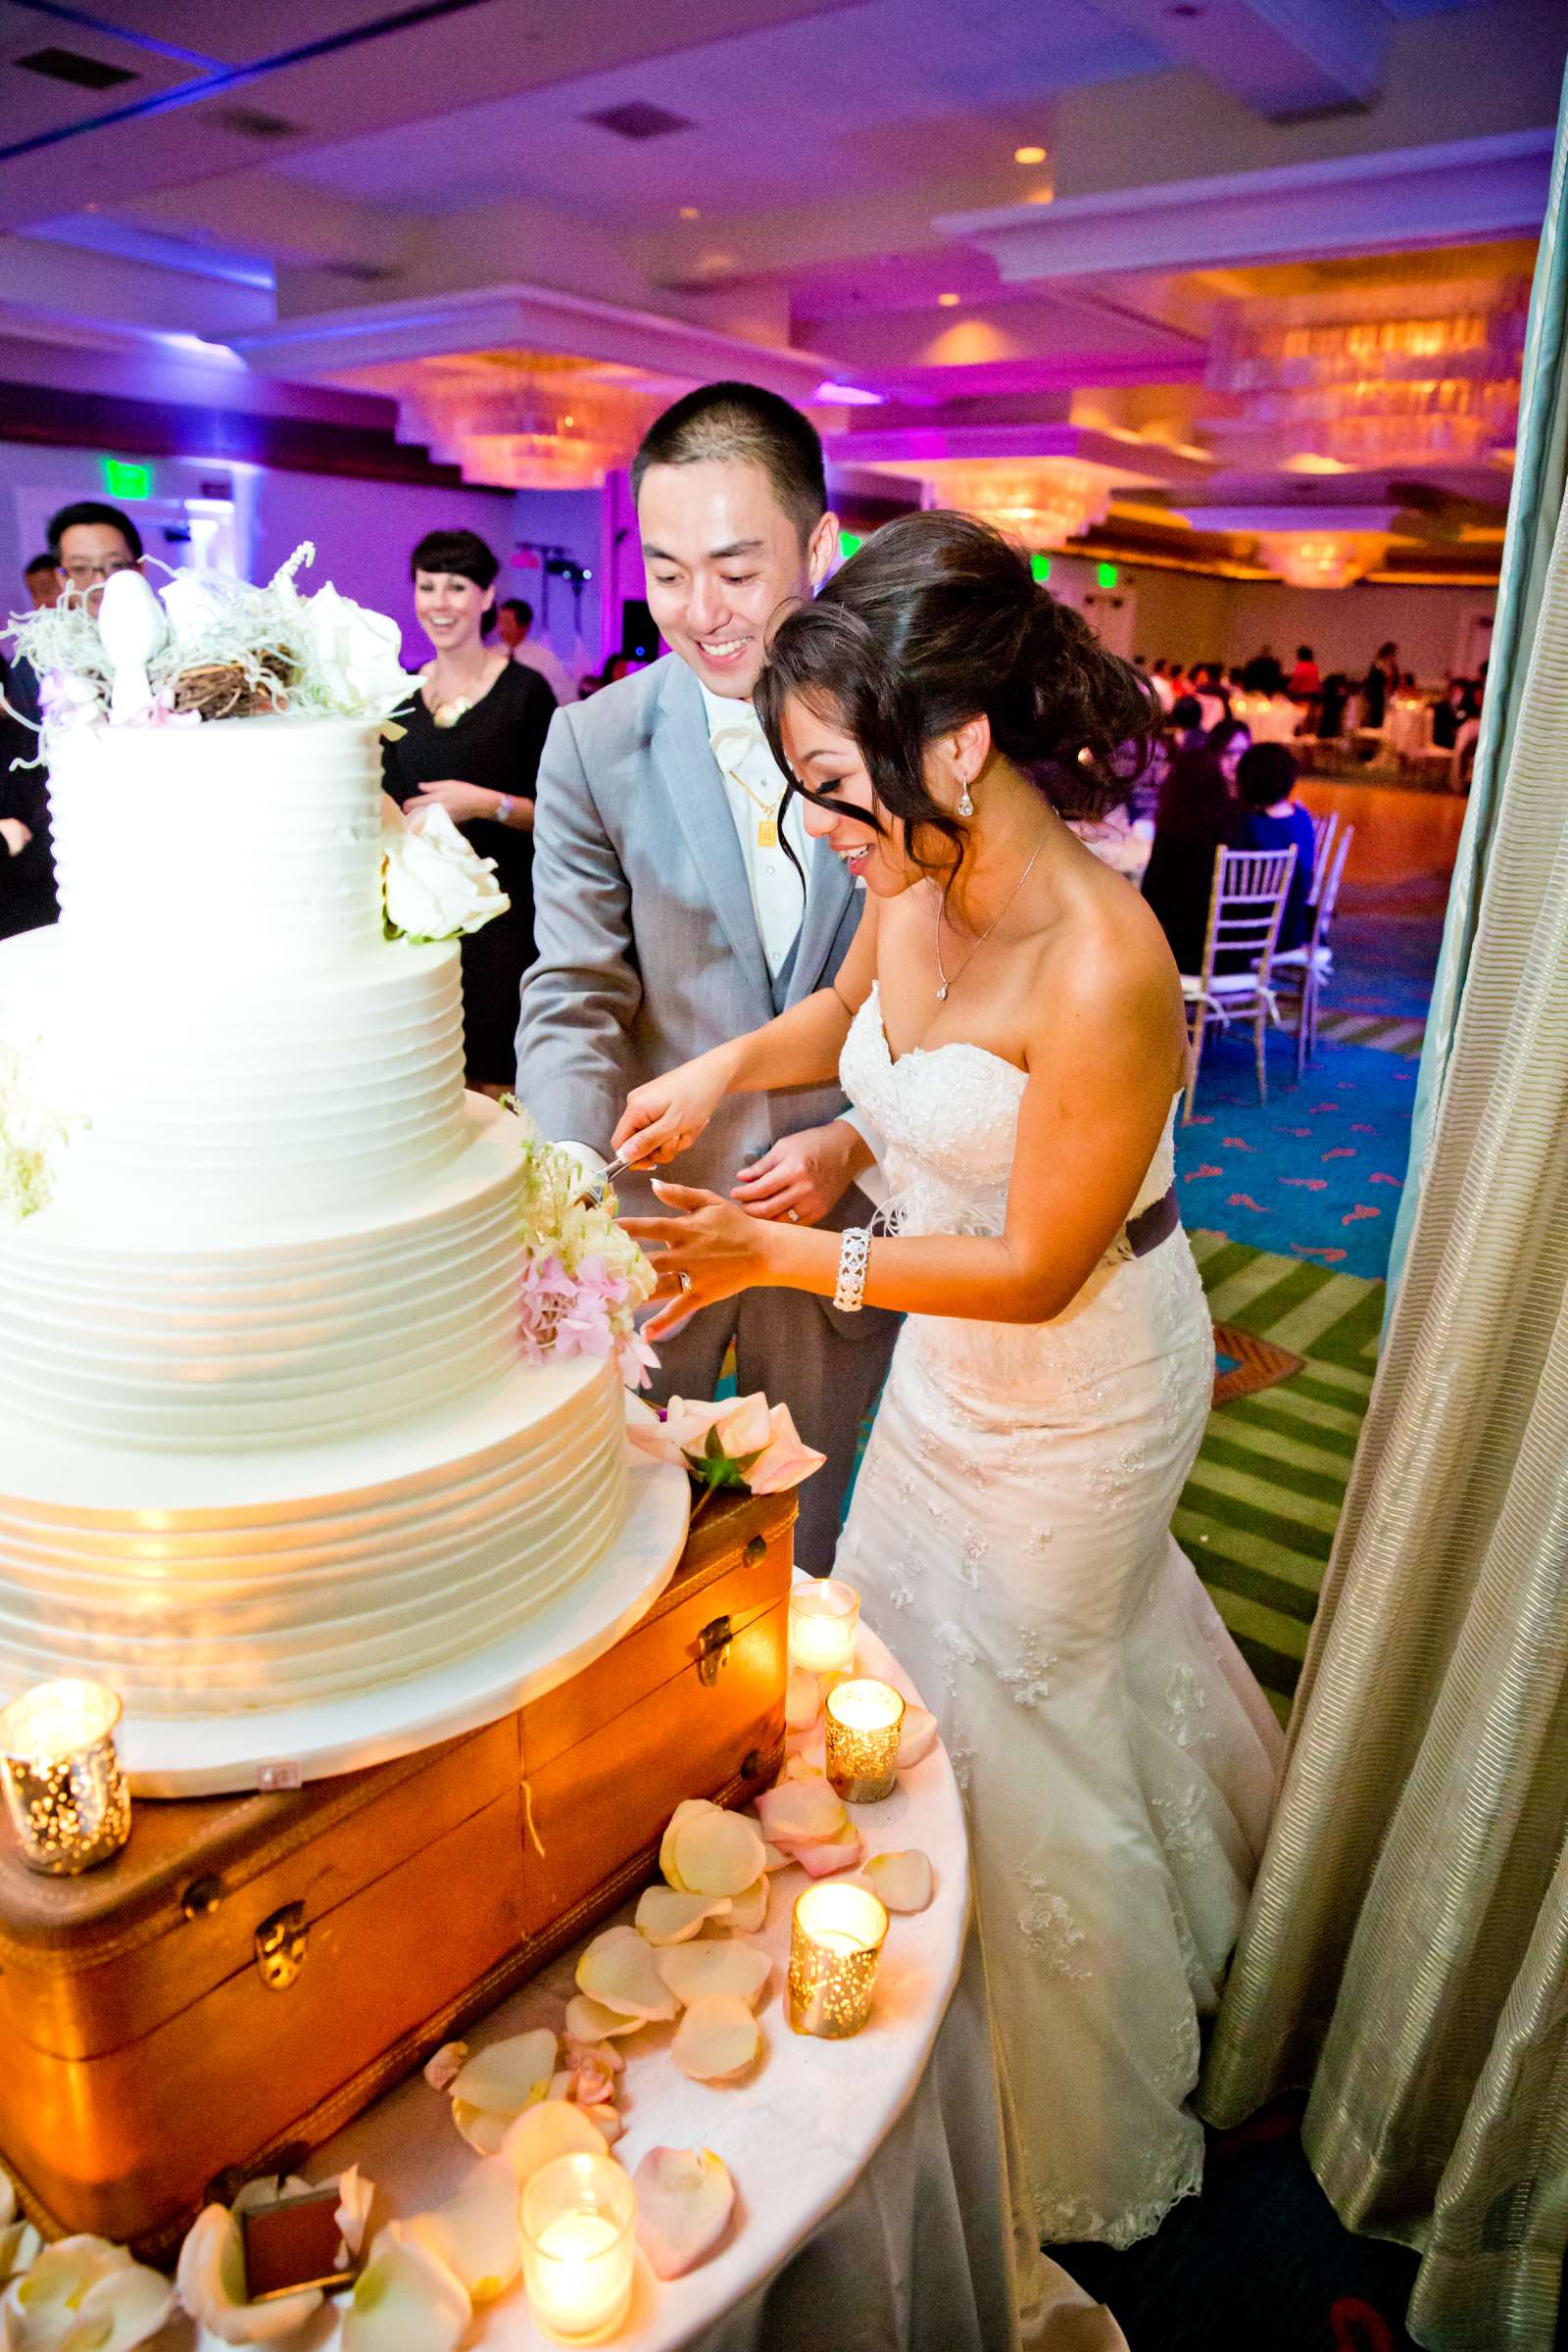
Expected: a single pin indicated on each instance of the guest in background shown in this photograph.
(1164, 689)
(1187, 724)
(90, 542)
(1226, 742)
(1379, 683)
(26, 863)
(1198, 814)
(1306, 678)
(1207, 685)
(471, 744)
(1333, 706)
(43, 581)
(515, 632)
(1271, 819)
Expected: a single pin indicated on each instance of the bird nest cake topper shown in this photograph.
(207, 647)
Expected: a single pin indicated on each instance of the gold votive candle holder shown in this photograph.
(836, 1940)
(824, 1619)
(580, 2247)
(864, 1722)
(65, 1791)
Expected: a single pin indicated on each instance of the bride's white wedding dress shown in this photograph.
(1010, 1535)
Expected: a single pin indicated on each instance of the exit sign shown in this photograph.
(123, 480)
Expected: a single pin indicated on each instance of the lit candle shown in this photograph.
(825, 1617)
(580, 2247)
(864, 1721)
(835, 1942)
(63, 1783)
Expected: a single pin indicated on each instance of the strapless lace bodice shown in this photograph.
(948, 1119)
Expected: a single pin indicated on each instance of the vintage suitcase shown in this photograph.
(252, 1971)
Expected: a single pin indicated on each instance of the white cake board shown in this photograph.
(216, 1755)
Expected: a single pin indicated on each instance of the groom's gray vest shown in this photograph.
(649, 951)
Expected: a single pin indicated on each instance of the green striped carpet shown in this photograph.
(1258, 1513)
(1391, 1032)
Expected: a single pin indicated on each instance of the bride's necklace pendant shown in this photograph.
(942, 993)
(447, 714)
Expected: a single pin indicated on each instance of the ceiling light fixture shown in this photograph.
(829, 395)
(1028, 155)
(947, 301)
(689, 212)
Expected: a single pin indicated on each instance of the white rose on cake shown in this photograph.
(435, 886)
(353, 657)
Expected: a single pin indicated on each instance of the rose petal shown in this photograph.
(591, 2087)
(834, 1855)
(692, 1970)
(120, 2310)
(542, 2133)
(442, 2069)
(355, 2197)
(591, 2020)
(748, 1912)
(717, 2039)
(617, 1969)
(405, 2300)
(773, 1858)
(605, 2118)
(596, 2053)
(20, 2245)
(717, 1852)
(684, 2201)
(902, 1882)
(801, 1812)
(482, 2129)
(477, 2234)
(918, 1736)
(507, 2075)
(210, 2282)
(684, 1811)
(664, 1915)
(802, 1701)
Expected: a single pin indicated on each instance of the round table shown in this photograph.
(871, 2174)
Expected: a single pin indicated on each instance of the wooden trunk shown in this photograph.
(253, 1970)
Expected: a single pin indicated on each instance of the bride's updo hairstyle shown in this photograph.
(936, 619)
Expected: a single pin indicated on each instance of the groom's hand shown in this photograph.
(805, 1176)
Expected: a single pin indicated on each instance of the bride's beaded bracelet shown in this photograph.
(855, 1251)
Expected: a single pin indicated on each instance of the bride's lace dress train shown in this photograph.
(1010, 1535)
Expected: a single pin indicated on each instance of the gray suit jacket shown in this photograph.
(649, 950)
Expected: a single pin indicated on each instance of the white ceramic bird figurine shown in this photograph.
(132, 627)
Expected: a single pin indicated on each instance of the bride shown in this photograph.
(1011, 1019)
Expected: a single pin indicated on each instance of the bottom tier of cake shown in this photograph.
(195, 1583)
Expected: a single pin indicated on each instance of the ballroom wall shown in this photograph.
(1191, 618)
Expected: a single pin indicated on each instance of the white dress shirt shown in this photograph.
(755, 790)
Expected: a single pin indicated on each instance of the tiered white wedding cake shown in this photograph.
(269, 1434)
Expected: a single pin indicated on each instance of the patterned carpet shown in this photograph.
(1258, 1513)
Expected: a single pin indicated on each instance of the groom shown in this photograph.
(669, 917)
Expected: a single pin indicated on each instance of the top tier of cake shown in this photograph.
(227, 848)
(217, 1012)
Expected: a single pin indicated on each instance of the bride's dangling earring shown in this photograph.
(966, 799)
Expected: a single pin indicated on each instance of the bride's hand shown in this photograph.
(664, 1117)
(708, 1251)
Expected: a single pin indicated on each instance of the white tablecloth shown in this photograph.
(1407, 729)
(872, 2211)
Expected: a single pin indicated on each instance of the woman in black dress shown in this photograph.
(1198, 814)
(471, 744)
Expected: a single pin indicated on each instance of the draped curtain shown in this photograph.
(1406, 1951)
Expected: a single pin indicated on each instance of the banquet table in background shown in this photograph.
(873, 2211)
